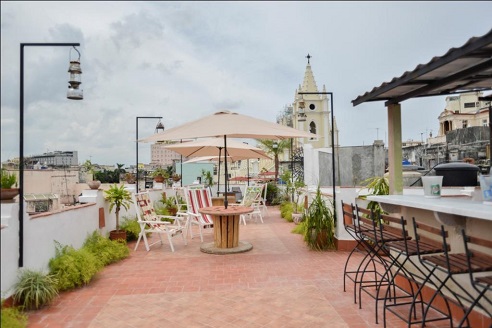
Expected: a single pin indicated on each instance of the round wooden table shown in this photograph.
(226, 230)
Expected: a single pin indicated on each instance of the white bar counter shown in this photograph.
(453, 205)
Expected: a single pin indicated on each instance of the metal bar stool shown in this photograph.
(481, 284)
(389, 229)
(451, 265)
(352, 227)
(373, 263)
(405, 251)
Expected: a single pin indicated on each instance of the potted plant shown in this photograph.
(118, 197)
(160, 175)
(129, 178)
(176, 177)
(169, 204)
(90, 168)
(7, 181)
(319, 224)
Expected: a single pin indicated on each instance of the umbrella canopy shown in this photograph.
(207, 159)
(232, 125)
(210, 147)
(227, 124)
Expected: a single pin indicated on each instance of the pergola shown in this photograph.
(464, 69)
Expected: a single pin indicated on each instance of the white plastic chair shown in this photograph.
(149, 221)
(252, 197)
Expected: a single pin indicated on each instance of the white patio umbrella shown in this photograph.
(227, 124)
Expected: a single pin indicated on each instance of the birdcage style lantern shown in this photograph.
(75, 79)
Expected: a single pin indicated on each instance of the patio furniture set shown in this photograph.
(200, 212)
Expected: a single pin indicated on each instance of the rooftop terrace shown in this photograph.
(279, 283)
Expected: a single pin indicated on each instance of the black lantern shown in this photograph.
(75, 80)
(159, 127)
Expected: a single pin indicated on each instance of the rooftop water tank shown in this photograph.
(458, 174)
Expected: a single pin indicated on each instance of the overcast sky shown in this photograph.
(185, 60)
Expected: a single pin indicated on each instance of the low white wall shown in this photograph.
(69, 226)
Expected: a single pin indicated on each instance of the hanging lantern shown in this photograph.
(75, 72)
(159, 127)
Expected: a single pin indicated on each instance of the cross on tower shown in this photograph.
(308, 57)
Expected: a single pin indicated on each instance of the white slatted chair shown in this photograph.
(263, 198)
(198, 197)
(180, 201)
(251, 198)
(149, 221)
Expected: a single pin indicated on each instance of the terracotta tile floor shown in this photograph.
(279, 283)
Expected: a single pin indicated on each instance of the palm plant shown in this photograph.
(208, 178)
(376, 186)
(118, 197)
(274, 147)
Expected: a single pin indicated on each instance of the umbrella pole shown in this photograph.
(225, 178)
(218, 175)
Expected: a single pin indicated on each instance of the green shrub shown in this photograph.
(286, 209)
(131, 226)
(34, 289)
(272, 194)
(12, 317)
(300, 228)
(73, 268)
(7, 179)
(105, 250)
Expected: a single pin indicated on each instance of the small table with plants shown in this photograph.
(226, 230)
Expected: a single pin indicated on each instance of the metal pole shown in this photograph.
(248, 172)
(226, 173)
(21, 139)
(292, 166)
(136, 142)
(136, 152)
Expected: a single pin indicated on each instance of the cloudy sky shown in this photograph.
(185, 60)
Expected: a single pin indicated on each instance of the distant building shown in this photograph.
(310, 113)
(461, 112)
(162, 157)
(54, 159)
(463, 134)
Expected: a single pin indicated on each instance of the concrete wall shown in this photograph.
(355, 164)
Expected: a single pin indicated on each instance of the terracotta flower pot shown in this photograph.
(94, 184)
(117, 234)
(8, 193)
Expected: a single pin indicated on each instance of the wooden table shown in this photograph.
(226, 230)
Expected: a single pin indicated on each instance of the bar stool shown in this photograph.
(352, 227)
(451, 265)
(374, 262)
(481, 284)
(405, 251)
(389, 229)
